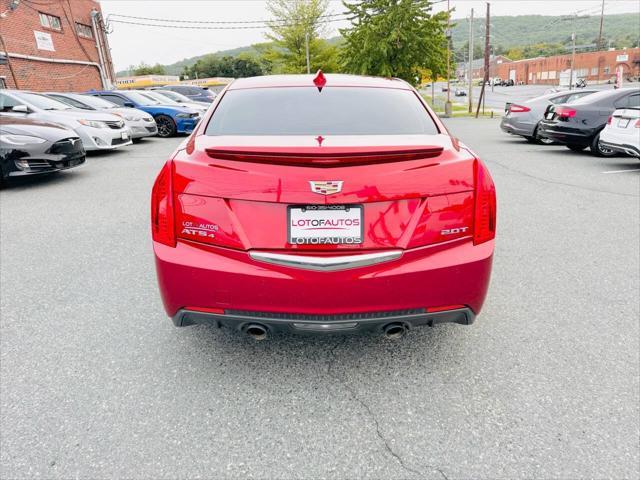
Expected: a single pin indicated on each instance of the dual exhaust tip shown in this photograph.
(392, 331)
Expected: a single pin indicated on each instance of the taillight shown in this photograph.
(609, 120)
(484, 218)
(162, 222)
(513, 108)
(565, 112)
(637, 123)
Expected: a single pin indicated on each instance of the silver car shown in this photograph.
(97, 130)
(140, 123)
(523, 118)
(164, 100)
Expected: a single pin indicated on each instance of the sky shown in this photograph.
(133, 44)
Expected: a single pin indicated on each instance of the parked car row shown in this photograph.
(607, 122)
(51, 131)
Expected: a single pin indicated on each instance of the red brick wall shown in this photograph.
(17, 32)
(595, 65)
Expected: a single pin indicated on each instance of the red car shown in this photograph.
(321, 203)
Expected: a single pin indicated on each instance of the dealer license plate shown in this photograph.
(325, 224)
(623, 122)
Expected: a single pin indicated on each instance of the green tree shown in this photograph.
(294, 22)
(394, 38)
(227, 66)
(144, 69)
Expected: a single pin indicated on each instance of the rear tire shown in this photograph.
(576, 148)
(598, 150)
(166, 126)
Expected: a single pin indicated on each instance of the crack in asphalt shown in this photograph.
(373, 417)
(515, 170)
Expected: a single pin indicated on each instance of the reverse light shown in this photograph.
(162, 221)
(484, 218)
(513, 108)
(565, 112)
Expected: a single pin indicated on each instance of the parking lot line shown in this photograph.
(622, 171)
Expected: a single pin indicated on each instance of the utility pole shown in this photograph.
(573, 52)
(487, 34)
(599, 46)
(306, 44)
(447, 105)
(471, 63)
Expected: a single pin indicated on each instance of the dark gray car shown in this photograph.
(29, 147)
(523, 118)
(195, 93)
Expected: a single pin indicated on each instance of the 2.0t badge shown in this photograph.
(327, 187)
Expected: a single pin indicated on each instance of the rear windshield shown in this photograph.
(333, 111)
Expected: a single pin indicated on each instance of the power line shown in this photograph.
(206, 27)
(212, 22)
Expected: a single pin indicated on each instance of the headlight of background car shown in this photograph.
(93, 123)
(20, 139)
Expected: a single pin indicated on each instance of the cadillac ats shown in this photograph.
(322, 204)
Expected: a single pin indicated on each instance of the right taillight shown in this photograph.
(565, 112)
(638, 123)
(484, 217)
(609, 120)
(162, 220)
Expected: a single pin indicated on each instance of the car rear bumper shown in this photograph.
(517, 126)
(625, 148)
(373, 322)
(566, 135)
(201, 283)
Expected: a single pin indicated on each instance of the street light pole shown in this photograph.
(447, 105)
(471, 63)
(306, 43)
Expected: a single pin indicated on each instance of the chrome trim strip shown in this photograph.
(326, 264)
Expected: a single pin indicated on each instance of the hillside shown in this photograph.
(507, 32)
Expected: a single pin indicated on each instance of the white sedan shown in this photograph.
(622, 132)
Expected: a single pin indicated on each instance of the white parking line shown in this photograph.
(622, 171)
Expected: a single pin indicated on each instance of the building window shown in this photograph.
(84, 30)
(50, 21)
(594, 71)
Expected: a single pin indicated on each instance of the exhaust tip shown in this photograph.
(256, 331)
(395, 330)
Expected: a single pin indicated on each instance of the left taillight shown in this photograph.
(162, 211)
(484, 218)
(514, 108)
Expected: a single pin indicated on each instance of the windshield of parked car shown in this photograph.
(158, 98)
(41, 101)
(333, 111)
(95, 102)
(140, 99)
(175, 96)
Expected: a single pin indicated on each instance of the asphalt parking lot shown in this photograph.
(97, 383)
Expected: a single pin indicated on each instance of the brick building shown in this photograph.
(54, 45)
(477, 67)
(592, 66)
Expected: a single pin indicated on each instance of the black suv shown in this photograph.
(199, 94)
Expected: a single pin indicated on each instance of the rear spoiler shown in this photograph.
(324, 156)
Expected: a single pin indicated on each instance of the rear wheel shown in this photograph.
(166, 126)
(598, 150)
(576, 148)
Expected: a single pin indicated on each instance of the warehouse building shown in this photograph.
(54, 45)
(594, 67)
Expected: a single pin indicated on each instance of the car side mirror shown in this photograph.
(129, 104)
(20, 109)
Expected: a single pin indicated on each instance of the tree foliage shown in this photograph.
(244, 65)
(294, 20)
(394, 38)
(144, 69)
